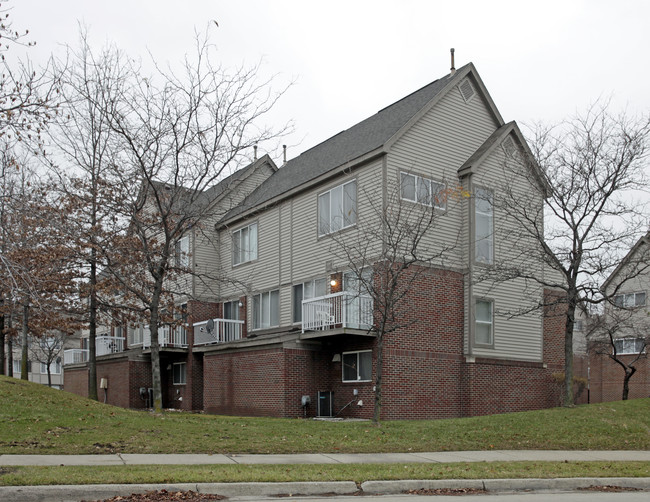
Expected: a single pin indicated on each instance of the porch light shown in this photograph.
(336, 358)
(333, 283)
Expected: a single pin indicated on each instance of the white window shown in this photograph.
(55, 368)
(484, 240)
(179, 374)
(629, 345)
(244, 244)
(266, 310)
(306, 291)
(182, 252)
(231, 310)
(357, 366)
(337, 208)
(577, 325)
(630, 300)
(423, 191)
(17, 367)
(483, 315)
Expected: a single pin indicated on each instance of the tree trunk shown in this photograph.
(568, 351)
(155, 352)
(629, 371)
(92, 328)
(376, 416)
(24, 355)
(10, 350)
(2, 340)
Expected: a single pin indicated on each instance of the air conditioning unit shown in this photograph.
(325, 403)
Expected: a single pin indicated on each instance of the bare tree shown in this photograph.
(179, 136)
(622, 335)
(47, 350)
(26, 96)
(388, 253)
(81, 139)
(591, 165)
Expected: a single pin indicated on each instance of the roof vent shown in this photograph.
(509, 146)
(467, 90)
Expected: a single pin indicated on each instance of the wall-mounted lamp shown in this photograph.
(240, 304)
(336, 358)
(333, 283)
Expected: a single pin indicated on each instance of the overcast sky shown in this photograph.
(539, 60)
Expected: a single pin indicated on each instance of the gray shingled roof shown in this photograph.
(348, 145)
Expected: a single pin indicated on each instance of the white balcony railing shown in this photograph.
(75, 356)
(217, 331)
(338, 310)
(109, 345)
(167, 337)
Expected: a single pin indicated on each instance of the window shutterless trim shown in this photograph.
(433, 199)
(358, 369)
(350, 216)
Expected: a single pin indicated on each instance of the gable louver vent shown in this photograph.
(509, 146)
(466, 90)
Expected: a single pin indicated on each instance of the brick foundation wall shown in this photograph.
(75, 380)
(425, 375)
(245, 383)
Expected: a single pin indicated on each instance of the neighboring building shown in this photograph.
(628, 318)
(290, 333)
(42, 351)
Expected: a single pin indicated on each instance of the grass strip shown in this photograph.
(75, 475)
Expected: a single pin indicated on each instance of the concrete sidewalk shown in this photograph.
(328, 458)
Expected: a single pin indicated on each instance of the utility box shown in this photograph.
(103, 383)
(325, 403)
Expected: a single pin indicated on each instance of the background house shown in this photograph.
(289, 332)
(627, 319)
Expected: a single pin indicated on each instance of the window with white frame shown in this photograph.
(483, 334)
(357, 366)
(16, 365)
(629, 345)
(484, 223)
(577, 325)
(630, 300)
(182, 252)
(179, 371)
(337, 208)
(244, 244)
(266, 310)
(423, 190)
(55, 367)
(306, 291)
(231, 310)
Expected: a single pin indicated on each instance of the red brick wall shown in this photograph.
(244, 383)
(425, 374)
(76, 380)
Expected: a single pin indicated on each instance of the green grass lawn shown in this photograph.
(36, 419)
(21, 476)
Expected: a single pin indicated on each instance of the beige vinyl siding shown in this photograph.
(289, 248)
(516, 335)
(436, 147)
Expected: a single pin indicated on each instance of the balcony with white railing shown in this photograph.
(168, 336)
(337, 310)
(75, 356)
(217, 331)
(105, 345)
